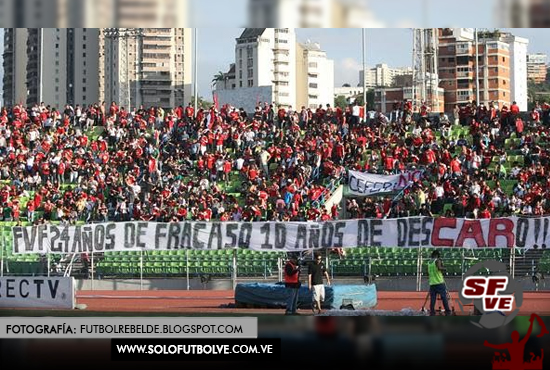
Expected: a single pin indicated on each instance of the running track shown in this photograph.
(213, 301)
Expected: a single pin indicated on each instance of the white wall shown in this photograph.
(246, 97)
(292, 65)
(263, 61)
(518, 67)
(320, 71)
(327, 78)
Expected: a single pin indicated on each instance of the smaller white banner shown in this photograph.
(364, 184)
(37, 292)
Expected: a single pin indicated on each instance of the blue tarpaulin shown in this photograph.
(275, 296)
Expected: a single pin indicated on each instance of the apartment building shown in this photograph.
(315, 76)
(502, 71)
(53, 65)
(146, 66)
(15, 66)
(264, 69)
(270, 66)
(537, 67)
(386, 97)
(382, 75)
(348, 92)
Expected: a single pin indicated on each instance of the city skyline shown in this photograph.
(220, 42)
(346, 55)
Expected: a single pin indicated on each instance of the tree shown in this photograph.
(538, 92)
(341, 101)
(201, 103)
(370, 99)
(220, 76)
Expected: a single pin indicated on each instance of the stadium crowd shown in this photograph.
(102, 162)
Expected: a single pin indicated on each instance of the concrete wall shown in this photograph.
(518, 66)
(246, 97)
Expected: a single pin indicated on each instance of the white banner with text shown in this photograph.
(37, 292)
(412, 232)
(365, 184)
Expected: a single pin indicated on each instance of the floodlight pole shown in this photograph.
(477, 67)
(196, 68)
(187, 267)
(141, 269)
(92, 268)
(2, 254)
(364, 75)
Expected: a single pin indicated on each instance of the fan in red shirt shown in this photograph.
(484, 213)
(429, 156)
(189, 112)
(113, 109)
(514, 109)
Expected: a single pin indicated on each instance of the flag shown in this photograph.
(216, 104)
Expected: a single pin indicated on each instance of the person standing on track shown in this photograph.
(437, 283)
(316, 272)
(292, 283)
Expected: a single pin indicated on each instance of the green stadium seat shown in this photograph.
(375, 268)
(408, 268)
(194, 267)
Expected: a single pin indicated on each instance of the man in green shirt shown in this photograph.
(437, 283)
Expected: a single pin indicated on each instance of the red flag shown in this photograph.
(216, 104)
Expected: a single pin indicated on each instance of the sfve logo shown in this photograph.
(487, 288)
(493, 292)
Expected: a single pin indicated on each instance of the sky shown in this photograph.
(393, 46)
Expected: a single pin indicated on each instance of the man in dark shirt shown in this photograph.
(292, 283)
(316, 272)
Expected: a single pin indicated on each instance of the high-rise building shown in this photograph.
(146, 66)
(94, 13)
(537, 67)
(501, 69)
(53, 65)
(271, 67)
(311, 14)
(264, 71)
(314, 77)
(518, 67)
(382, 75)
(15, 66)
